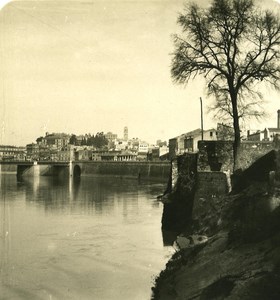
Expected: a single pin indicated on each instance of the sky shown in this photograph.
(91, 66)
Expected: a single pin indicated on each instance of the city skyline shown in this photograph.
(91, 66)
(120, 136)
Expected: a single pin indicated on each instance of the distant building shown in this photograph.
(133, 144)
(158, 153)
(109, 156)
(12, 152)
(187, 142)
(114, 155)
(121, 145)
(63, 155)
(268, 134)
(225, 132)
(97, 154)
(59, 140)
(143, 147)
(111, 136)
(67, 154)
(163, 150)
(143, 150)
(127, 156)
(32, 151)
(255, 136)
(271, 133)
(84, 154)
(125, 133)
(44, 152)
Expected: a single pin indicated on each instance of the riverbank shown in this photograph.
(231, 249)
(241, 260)
(132, 169)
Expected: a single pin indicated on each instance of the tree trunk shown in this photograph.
(236, 143)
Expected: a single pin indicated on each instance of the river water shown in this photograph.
(96, 238)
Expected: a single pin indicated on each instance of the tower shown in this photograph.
(125, 133)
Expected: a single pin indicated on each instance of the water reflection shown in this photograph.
(89, 195)
(93, 238)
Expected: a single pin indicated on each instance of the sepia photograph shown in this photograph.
(139, 149)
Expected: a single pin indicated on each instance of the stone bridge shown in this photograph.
(44, 168)
(136, 169)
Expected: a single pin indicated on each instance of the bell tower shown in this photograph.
(125, 133)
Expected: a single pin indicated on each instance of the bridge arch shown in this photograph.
(77, 171)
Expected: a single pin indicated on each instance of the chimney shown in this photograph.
(278, 118)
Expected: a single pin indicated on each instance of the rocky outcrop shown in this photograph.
(239, 257)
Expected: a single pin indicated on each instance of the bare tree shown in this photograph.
(234, 45)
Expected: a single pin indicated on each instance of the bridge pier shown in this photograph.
(25, 170)
(36, 170)
(70, 168)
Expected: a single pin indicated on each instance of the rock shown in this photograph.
(183, 242)
(241, 260)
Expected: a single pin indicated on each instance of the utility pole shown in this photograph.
(201, 112)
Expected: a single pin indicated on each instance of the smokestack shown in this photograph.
(278, 118)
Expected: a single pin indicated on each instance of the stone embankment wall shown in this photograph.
(218, 155)
(215, 156)
(191, 193)
(201, 197)
(211, 183)
(252, 151)
(211, 188)
(178, 198)
(159, 170)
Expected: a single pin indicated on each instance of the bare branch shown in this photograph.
(234, 46)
